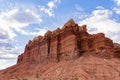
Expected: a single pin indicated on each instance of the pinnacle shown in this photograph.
(71, 21)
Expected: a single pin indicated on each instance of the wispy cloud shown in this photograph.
(117, 2)
(7, 51)
(116, 8)
(79, 8)
(80, 13)
(49, 8)
(8, 55)
(39, 31)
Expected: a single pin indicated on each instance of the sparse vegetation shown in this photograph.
(37, 75)
(24, 79)
(75, 78)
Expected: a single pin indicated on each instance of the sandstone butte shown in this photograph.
(67, 53)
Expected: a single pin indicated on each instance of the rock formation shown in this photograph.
(69, 43)
(66, 44)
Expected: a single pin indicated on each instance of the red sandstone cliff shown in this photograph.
(67, 43)
(71, 46)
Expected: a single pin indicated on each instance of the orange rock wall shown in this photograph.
(66, 43)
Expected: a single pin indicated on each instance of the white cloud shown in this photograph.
(38, 32)
(41, 32)
(16, 19)
(12, 21)
(6, 33)
(78, 8)
(116, 8)
(100, 21)
(6, 63)
(117, 2)
(80, 13)
(99, 7)
(50, 6)
(8, 55)
(7, 51)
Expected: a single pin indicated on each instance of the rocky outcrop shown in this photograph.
(67, 53)
(67, 43)
(117, 50)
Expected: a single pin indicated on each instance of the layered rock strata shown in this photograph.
(67, 43)
(67, 53)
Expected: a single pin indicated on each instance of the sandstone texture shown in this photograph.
(67, 53)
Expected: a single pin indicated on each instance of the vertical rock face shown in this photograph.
(117, 50)
(67, 43)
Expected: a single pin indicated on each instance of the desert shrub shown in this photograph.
(37, 75)
(24, 79)
(76, 78)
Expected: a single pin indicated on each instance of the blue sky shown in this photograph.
(22, 20)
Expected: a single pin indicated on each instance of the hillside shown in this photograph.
(67, 53)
